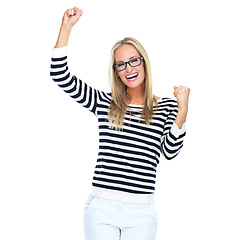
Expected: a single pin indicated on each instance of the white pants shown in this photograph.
(106, 219)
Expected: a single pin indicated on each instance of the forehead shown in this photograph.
(125, 52)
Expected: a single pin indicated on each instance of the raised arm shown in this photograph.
(174, 127)
(70, 18)
(173, 137)
(182, 95)
(60, 73)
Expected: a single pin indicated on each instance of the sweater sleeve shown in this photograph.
(76, 88)
(172, 139)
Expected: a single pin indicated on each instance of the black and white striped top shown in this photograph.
(127, 159)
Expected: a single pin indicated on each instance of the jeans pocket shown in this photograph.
(88, 202)
(155, 213)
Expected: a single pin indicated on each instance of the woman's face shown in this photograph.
(132, 77)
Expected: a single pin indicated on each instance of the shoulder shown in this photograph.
(166, 100)
(169, 103)
(104, 97)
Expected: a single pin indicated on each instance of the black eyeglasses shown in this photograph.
(133, 63)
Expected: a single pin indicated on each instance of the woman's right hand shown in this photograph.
(71, 16)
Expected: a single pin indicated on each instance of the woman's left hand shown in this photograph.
(182, 95)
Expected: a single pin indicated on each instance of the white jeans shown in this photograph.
(106, 219)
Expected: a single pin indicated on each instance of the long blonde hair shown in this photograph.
(118, 105)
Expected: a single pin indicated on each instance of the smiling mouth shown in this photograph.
(132, 77)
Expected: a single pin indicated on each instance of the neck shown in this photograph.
(136, 95)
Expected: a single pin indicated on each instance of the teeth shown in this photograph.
(132, 76)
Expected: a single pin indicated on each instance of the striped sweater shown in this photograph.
(127, 159)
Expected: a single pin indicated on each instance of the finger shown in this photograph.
(81, 12)
(69, 12)
(78, 11)
(66, 14)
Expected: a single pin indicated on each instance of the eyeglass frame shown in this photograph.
(129, 62)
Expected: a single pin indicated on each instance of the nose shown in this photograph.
(128, 67)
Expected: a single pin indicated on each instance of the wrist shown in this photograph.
(63, 36)
(183, 109)
(66, 27)
(181, 119)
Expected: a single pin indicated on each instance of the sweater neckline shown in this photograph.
(141, 106)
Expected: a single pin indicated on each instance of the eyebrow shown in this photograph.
(129, 59)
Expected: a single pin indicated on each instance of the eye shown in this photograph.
(120, 64)
(134, 60)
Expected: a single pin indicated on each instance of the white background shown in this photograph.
(49, 143)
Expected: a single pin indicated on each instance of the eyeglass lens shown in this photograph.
(133, 63)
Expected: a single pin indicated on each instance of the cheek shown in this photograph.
(121, 75)
(142, 71)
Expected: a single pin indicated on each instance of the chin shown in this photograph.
(134, 84)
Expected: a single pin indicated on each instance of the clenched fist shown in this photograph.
(71, 16)
(182, 95)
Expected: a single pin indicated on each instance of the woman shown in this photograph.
(135, 127)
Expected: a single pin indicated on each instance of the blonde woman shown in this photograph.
(135, 128)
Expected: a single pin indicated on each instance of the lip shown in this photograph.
(133, 79)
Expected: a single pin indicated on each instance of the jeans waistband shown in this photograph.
(122, 196)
